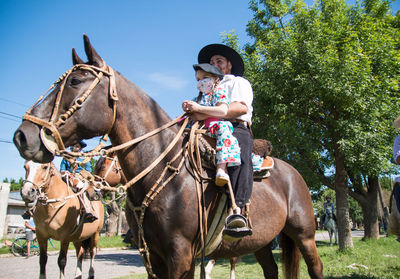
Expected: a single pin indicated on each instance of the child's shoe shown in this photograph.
(222, 178)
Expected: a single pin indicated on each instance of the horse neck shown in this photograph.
(57, 188)
(138, 114)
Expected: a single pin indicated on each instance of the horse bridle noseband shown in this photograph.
(45, 181)
(52, 126)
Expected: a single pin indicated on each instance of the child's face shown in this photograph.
(205, 81)
(200, 74)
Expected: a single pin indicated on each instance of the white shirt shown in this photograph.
(239, 90)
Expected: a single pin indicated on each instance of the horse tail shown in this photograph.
(290, 257)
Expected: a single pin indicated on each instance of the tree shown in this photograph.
(325, 80)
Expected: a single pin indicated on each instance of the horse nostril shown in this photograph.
(19, 139)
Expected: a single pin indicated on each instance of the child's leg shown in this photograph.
(227, 146)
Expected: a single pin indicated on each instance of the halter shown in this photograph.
(45, 182)
(52, 126)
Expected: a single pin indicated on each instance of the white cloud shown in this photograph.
(168, 81)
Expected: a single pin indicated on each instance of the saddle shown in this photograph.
(202, 150)
(261, 147)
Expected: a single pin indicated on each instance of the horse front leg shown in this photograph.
(181, 262)
(93, 245)
(79, 257)
(62, 258)
(43, 256)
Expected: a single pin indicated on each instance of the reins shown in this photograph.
(190, 148)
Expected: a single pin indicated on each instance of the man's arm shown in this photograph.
(236, 109)
(28, 226)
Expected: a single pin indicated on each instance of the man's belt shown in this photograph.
(239, 121)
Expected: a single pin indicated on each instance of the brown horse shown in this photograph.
(171, 226)
(55, 215)
(108, 169)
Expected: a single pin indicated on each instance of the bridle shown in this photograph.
(43, 184)
(110, 168)
(51, 127)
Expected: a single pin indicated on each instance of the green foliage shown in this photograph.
(14, 185)
(325, 80)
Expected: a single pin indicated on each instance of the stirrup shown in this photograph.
(236, 221)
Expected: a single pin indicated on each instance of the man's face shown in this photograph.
(76, 147)
(222, 63)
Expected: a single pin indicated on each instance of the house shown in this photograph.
(16, 207)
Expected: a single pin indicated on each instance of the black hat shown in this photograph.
(209, 69)
(236, 60)
(82, 144)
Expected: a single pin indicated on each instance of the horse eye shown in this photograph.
(75, 81)
(45, 167)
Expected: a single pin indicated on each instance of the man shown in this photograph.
(240, 111)
(328, 204)
(69, 170)
(396, 157)
(29, 234)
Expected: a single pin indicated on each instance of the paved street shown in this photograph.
(108, 264)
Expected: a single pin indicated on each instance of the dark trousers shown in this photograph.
(242, 176)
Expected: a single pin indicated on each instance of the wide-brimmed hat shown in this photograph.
(206, 67)
(236, 60)
(396, 123)
(82, 144)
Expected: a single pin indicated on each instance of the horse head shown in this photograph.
(51, 124)
(37, 179)
(108, 168)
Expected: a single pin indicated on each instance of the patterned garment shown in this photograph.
(227, 147)
(257, 161)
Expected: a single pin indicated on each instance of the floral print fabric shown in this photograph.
(227, 147)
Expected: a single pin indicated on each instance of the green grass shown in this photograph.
(104, 242)
(382, 257)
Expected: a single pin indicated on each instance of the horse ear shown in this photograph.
(75, 58)
(94, 58)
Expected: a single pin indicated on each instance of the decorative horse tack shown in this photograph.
(280, 203)
(53, 140)
(59, 221)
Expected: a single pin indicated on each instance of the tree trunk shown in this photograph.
(370, 209)
(342, 203)
(113, 210)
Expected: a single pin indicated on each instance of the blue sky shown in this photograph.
(152, 43)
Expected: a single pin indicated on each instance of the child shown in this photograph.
(212, 106)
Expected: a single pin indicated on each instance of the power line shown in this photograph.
(12, 119)
(13, 102)
(5, 113)
(5, 141)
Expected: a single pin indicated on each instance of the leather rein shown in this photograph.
(190, 150)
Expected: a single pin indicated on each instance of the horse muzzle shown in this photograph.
(29, 144)
(28, 192)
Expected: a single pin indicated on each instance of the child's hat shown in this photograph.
(209, 69)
